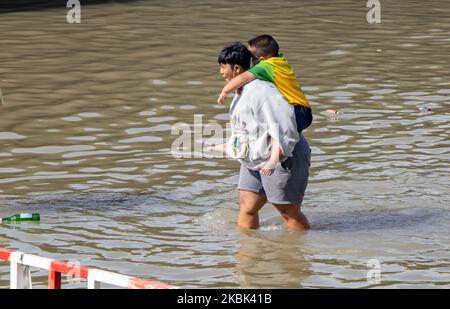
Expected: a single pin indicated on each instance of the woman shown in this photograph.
(263, 127)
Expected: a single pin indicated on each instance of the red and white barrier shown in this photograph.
(21, 276)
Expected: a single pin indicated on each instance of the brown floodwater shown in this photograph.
(86, 137)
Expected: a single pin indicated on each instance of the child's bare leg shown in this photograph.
(293, 217)
(249, 205)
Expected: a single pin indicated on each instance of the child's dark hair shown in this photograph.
(235, 53)
(265, 46)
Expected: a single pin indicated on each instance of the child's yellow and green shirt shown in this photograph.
(278, 71)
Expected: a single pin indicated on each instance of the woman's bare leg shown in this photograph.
(249, 205)
(293, 217)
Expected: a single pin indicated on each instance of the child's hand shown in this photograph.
(268, 168)
(222, 98)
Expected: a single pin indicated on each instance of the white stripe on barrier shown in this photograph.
(37, 261)
(96, 276)
(20, 273)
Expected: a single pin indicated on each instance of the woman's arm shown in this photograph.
(220, 148)
(235, 84)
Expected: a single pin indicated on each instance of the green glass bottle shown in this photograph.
(21, 217)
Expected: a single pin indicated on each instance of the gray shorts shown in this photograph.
(288, 182)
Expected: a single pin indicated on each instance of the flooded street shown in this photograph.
(86, 137)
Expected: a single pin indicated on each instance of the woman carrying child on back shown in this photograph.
(274, 68)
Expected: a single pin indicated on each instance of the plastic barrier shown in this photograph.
(20, 278)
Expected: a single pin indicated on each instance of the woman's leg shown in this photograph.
(293, 217)
(249, 205)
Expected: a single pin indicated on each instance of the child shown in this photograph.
(273, 67)
(234, 60)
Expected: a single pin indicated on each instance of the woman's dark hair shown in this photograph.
(235, 53)
(265, 46)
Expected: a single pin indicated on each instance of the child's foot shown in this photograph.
(268, 168)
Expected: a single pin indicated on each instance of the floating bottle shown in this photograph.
(21, 217)
(332, 111)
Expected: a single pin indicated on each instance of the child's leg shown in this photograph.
(303, 117)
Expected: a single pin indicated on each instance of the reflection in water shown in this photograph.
(85, 136)
(271, 259)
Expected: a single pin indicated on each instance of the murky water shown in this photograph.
(86, 138)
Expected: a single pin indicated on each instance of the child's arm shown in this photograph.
(275, 155)
(235, 84)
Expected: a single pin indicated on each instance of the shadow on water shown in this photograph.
(224, 219)
(8, 6)
(374, 220)
(81, 202)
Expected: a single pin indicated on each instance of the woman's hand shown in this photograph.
(220, 148)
